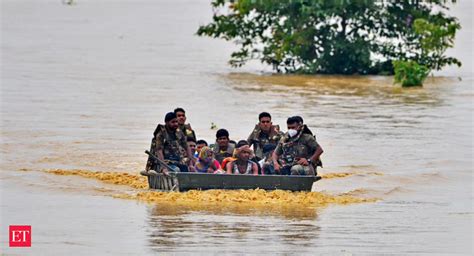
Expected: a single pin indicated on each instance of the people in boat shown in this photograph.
(234, 154)
(191, 144)
(264, 133)
(242, 164)
(199, 145)
(222, 148)
(305, 129)
(266, 163)
(171, 145)
(297, 151)
(206, 163)
(185, 128)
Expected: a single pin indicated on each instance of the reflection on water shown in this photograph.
(177, 228)
(281, 210)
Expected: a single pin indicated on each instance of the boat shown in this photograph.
(184, 181)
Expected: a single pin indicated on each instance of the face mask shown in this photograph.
(292, 132)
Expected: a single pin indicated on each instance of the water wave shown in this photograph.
(221, 197)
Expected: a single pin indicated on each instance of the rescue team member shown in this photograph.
(297, 152)
(185, 128)
(263, 134)
(171, 145)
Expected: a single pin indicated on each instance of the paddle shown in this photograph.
(161, 162)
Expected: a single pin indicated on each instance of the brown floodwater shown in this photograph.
(83, 87)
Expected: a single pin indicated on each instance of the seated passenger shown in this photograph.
(297, 151)
(234, 154)
(223, 148)
(266, 164)
(242, 165)
(170, 145)
(263, 134)
(200, 144)
(253, 158)
(206, 162)
(191, 145)
(185, 128)
(306, 130)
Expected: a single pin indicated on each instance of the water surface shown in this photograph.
(84, 86)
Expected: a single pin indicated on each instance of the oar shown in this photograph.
(161, 162)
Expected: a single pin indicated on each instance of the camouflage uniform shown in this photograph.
(259, 139)
(220, 155)
(291, 150)
(173, 145)
(188, 131)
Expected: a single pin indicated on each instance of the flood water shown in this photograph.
(83, 87)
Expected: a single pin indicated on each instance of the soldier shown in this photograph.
(223, 148)
(305, 129)
(185, 128)
(264, 133)
(297, 152)
(171, 146)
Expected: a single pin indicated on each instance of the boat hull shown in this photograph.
(203, 181)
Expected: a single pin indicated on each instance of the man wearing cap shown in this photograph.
(171, 146)
(263, 134)
(297, 151)
(185, 128)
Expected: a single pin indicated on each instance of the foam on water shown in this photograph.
(225, 197)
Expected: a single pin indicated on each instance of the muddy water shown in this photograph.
(83, 87)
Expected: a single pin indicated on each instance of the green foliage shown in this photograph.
(410, 73)
(435, 39)
(334, 37)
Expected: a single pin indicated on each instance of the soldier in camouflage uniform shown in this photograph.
(297, 152)
(264, 133)
(169, 144)
(185, 128)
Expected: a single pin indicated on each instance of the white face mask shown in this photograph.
(292, 132)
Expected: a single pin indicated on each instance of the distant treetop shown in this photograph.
(335, 37)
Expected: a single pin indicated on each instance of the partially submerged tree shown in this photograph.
(333, 37)
(434, 40)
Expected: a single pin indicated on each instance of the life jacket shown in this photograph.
(258, 142)
(188, 131)
(173, 151)
(294, 149)
(151, 163)
(308, 131)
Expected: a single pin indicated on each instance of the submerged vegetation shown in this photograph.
(336, 37)
(409, 73)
